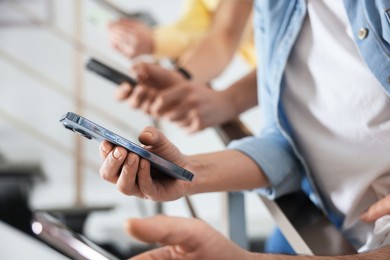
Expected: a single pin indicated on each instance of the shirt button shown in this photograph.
(363, 32)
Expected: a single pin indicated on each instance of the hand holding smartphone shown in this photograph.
(92, 130)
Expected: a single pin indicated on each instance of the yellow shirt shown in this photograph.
(174, 39)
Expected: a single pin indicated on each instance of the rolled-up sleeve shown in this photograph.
(275, 157)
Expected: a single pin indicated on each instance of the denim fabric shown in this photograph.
(277, 24)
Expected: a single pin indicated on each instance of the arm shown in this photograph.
(242, 94)
(194, 239)
(220, 43)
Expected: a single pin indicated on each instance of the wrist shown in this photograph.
(196, 167)
(230, 97)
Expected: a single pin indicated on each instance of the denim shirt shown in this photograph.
(277, 24)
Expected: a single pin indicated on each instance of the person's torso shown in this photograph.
(277, 26)
(340, 114)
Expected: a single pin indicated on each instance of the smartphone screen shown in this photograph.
(92, 130)
(109, 73)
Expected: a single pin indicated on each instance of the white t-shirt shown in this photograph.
(340, 115)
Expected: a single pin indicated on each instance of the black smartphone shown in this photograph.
(109, 73)
(70, 243)
(92, 130)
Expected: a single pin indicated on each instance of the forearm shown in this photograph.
(229, 170)
(210, 56)
(243, 93)
(207, 59)
(379, 254)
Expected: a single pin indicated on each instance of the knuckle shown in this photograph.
(104, 174)
(133, 102)
(123, 188)
(200, 224)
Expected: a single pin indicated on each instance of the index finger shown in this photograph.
(166, 230)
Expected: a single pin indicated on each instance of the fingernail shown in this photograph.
(117, 154)
(103, 148)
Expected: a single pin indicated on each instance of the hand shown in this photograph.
(193, 107)
(379, 209)
(152, 79)
(184, 239)
(131, 37)
(133, 175)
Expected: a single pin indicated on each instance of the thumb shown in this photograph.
(156, 76)
(156, 142)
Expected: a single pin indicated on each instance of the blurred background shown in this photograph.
(44, 45)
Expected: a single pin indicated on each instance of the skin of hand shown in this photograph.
(133, 175)
(152, 79)
(130, 37)
(193, 107)
(379, 209)
(216, 171)
(182, 239)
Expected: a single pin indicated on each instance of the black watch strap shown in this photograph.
(184, 72)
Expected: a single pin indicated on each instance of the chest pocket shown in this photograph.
(386, 27)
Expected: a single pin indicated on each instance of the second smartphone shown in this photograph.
(109, 73)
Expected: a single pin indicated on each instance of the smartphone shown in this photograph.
(92, 130)
(70, 243)
(109, 73)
